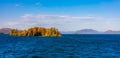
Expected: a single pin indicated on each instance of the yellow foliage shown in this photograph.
(37, 31)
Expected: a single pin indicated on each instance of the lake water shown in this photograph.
(68, 46)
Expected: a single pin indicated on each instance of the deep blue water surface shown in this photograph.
(69, 46)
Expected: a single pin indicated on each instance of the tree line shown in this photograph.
(37, 31)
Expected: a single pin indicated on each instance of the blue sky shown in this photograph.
(66, 15)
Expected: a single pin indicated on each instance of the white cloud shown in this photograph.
(62, 22)
(11, 23)
(29, 16)
(19, 5)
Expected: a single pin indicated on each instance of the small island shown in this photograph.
(37, 31)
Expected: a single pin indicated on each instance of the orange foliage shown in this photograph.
(37, 31)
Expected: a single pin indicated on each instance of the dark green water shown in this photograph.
(68, 46)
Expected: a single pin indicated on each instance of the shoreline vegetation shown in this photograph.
(37, 31)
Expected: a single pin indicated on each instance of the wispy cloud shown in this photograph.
(59, 21)
(29, 16)
(19, 5)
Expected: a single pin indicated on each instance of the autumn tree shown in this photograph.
(37, 31)
(13, 32)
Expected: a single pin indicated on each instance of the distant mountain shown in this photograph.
(91, 31)
(87, 31)
(112, 32)
(5, 30)
(83, 31)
